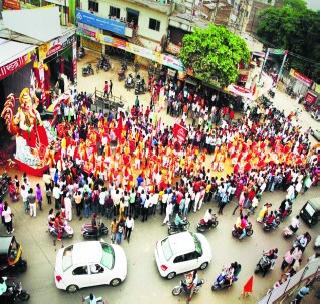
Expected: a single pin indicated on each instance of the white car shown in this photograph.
(182, 252)
(89, 263)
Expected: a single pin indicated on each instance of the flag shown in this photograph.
(120, 127)
(248, 287)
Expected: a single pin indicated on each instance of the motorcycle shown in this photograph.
(14, 293)
(139, 87)
(236, 232)
(103, 64)
(88, 233)
(222, 282)
(263, 265)
(289, 231)
(183, 287)
(202, 226)
(88, 70)
(67, 231)
(121, 74)
(173, 228)
(4, 185)
(268, 227)
(81, 53)
(285, 214)
(129, 84)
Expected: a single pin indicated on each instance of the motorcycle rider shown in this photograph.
(244, 225)
(208, 217)
(91, 299)
(270, 219)
(302, 241)
(295, 223)
(272, 254)
(51, 219)
(285, 206)
(3, 285)
(178, 221)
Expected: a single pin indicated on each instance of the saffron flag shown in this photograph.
(248, 287)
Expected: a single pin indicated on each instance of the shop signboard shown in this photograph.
(180, 133)
(14, 65)
(168, 60)
(11, 4)
(111, 25)
(59, 2)
(310, 98)
(54, 46)
(299, 76)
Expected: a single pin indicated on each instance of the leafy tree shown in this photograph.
(214, 53)
(296, 29)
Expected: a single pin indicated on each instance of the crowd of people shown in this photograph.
(129, 165)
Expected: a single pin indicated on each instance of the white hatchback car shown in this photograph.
(89, 263)
(182, 252)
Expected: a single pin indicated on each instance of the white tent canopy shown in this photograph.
(11, 50)
(42, 24)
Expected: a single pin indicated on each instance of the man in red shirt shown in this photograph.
(106, 89)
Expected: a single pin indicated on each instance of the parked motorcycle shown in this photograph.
(139, 87)
(202, 226)
(4, 184)
(121, 74)
(88, 70)
(103, 64)
(289, 231)
(88, 233)
(14, 293)
(81, 52)
(236, 232)
(67, 231)
(183, 287)
(129, 83)
(173, 228)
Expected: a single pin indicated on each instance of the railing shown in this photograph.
(104, 102)
(311, 270)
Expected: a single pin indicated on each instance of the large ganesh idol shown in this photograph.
(31, 133)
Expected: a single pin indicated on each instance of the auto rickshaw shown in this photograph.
(310, 212)
(11, 261)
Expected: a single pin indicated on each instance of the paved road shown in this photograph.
(144, 284)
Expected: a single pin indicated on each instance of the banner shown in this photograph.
(101, 23)
(56, 45)
(14, 65)
(11, 4)
(310, 98)
(304, 79)
(180, 133)
(72, 11)
(165, 59)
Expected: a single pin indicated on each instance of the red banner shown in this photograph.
(310, 98)
(14, 65)
(11, 4)
(180, 133)
(307, 81)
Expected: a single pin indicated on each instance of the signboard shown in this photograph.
(180, 133)
(101, 23)
(11, 4)
(167, 60)
(299, 76)
(310, 98)
(14, 65)
(277, 51)
(54, 46)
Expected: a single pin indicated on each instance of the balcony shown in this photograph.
(162, 6)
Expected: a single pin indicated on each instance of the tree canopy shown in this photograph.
(214, 53)
(295, 28)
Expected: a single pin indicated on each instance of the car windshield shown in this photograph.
(166, 248)
(13, 250)
(108, 257)
(197, 244)
(67, 258)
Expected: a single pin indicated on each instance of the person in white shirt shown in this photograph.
(169, 209)
(24, 195)
(129, 227)
(7, 218)
(207, 216)
(68, 207)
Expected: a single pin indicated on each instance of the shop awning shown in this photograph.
(13, 56)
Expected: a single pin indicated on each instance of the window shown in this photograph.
(93, 6)
(167, 251)
(67, 258)
(179, 259)
(114, 11)
(154, 24)
(96, 268)
(80, 270)
(197, 244)
(107, 256)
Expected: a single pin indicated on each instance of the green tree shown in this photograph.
(213, 54)
(297, 5)
(296, 30)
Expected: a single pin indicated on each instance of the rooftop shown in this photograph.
(162, 6)
(183, 241)
(87, 252)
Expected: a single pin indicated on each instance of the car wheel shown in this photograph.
(171, 275)
(72, 288)
(203, 266)
(115, 282)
